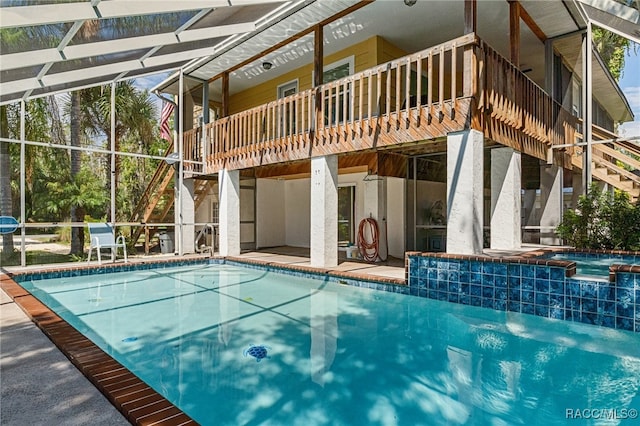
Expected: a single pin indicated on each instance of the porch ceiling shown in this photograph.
(427, 23)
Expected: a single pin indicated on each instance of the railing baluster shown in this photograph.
(388, 94)
(407, 96)
(324, 104)
(441, 82)
(269, 114)
(454, 55)
(418, 86)
(370, 97)
(398, 92)
(345, 103)
(360, 100)
(293, 125)
(302, 131)
(430, 83)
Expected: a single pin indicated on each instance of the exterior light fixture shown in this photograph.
(172, 158)
(410, 2)
(267, 66)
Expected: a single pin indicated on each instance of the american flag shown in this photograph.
(165, 130)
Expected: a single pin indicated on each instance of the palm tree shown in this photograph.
(135, 118)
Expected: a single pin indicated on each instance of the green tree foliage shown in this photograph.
(135, 129)
(612, 49)
(602, 221)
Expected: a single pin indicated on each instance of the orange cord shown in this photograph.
(368, 250)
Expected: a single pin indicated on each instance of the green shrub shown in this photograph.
(602, 221)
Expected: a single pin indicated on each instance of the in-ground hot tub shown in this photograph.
(596, 263)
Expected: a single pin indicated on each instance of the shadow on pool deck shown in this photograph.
(39, 384)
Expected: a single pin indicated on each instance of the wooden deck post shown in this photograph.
(318, 70)
(470, 16)
(469, 65)
(514, 32)
(225, 94)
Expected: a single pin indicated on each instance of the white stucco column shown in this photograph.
(375, 206)
(465, 192)
(188, 212)
(550, 203)
(324, 211)
(506, 168)
(229, 212)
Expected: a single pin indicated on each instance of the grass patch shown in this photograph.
(38, 257)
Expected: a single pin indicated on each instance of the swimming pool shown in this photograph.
(342, 355)
(594, 264)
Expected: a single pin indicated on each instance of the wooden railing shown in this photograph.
(193, 151)
(511, 101)
(343, 115)
(422, 96)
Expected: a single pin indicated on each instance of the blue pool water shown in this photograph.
(594, 264)
(332, 354)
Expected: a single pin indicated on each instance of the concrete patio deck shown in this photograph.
(39, 386)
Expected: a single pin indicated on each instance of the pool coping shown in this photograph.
(137, 401)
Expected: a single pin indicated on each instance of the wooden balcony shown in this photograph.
(463, 84)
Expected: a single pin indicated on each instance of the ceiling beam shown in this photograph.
(535, 29)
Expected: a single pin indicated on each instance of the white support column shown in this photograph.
(180, 175)
(375, 206)
(114, 178)
(587, 108)
(229, 212)
(324, 211)
(188, 212)
(465, 166)
(23, 185)
(550, 203)
(506, 168)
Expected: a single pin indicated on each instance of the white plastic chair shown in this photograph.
(103, 236)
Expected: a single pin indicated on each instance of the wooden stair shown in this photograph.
(615, 163)
(157, 202)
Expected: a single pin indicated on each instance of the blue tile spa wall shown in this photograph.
(528, 286)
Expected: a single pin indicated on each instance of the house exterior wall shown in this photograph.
(297, 202)
(271, 213)
(284, 211)
(396, 205)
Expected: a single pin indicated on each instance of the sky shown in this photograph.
(630, 85)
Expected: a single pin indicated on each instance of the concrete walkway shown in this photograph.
(38, 384)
